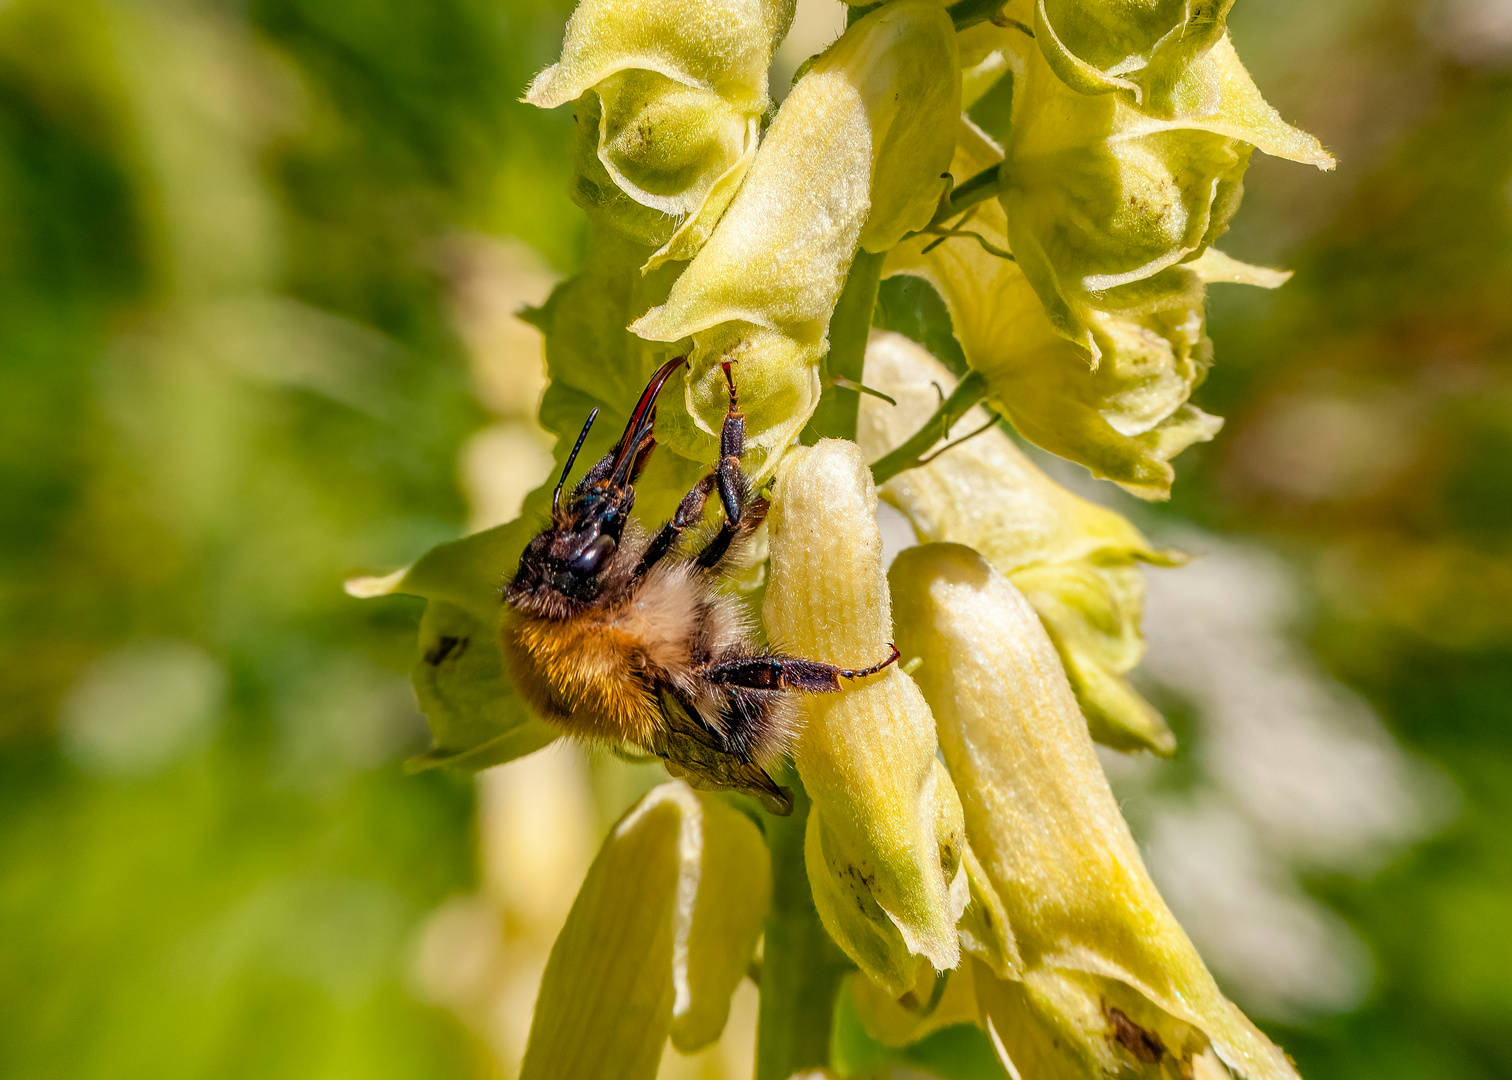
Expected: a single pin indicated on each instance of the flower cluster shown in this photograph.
(961, 846)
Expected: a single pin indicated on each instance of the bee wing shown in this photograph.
(696, 754)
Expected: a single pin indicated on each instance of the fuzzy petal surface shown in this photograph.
(659, 936)
(669, 97)
(1073, 559)
(1124, 416)
(1038, 810)
(884, 835)
(852, 159)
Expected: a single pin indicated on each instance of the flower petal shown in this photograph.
(658, 938)
(937, 1000)
(1137, 46)
(1073, 559)
(670, 98)
(884, 834)
(1066, 1025)
(902, 59)
(853, 158)
(1124, 417)
(1040, 815)
(983, 929)
(724, 46)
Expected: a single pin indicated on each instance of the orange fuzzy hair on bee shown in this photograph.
(597, 674)
(618, 637)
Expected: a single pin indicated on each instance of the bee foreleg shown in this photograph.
(787, 673)
(734, 489)
(689, 512)
(732, 483)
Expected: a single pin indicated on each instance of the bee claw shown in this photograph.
(861, 673)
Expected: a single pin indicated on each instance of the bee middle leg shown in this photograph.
(787, 673)
(742, 515)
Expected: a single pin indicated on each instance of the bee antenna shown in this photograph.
(556, 496)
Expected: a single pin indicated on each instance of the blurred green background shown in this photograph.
(233, 373)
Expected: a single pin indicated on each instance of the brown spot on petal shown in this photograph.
(1144, 1045)
(443, 648)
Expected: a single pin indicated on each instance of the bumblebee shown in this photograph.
(620, 637)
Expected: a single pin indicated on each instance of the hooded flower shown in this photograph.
(1115, 401)
(1110, 979)
(659, 936)
(852, 160)
(1074, 560)
(1140, 48)
(670, 98)
(1104, 202)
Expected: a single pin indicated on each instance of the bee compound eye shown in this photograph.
(593, 557)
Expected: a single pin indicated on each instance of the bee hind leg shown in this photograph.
(777, 672)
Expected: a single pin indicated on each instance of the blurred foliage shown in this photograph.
(1370, 437)
(228, 379)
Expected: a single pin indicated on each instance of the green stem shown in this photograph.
(849, 326)
(979, 188)
(963, 14)
(970, 12)
(971, 390)
(800, 967)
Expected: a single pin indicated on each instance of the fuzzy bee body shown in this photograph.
(602, 674)
(616, 636)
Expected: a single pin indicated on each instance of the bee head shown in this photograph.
(569, 559)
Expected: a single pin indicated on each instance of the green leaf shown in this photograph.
(911, 306)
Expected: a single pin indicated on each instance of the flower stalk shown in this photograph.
(801, 969)
(911, 454)
(835, 418)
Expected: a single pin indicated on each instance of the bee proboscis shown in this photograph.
(618, 636)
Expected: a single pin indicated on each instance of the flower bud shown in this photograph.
(884, 839)
(671, 98)
(1073, 559)
(853, 158)
(1044, 822)
(658, 938)
(984, 930)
